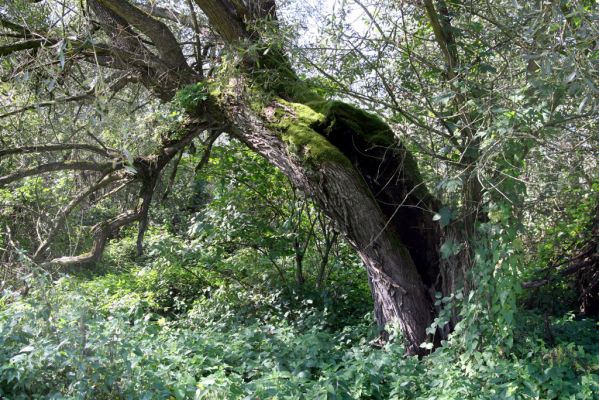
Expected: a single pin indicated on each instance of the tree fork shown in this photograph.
(337, 168)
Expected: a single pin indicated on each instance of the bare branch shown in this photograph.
(102, 232)
(172, 177)
(23, 31)
(207, 151)
(223, 17)
(62, 216)
(442, 29)
(59, 166)
(591, 260)
(162, 75)
(199, 67)
(58, 147)
(164, 40)
(50, 103)
(166, 13)
(170, 149)
(25, 45)
(114, 191)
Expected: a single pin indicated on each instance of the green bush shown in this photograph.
(102, 339)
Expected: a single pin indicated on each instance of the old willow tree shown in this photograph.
(222, 62)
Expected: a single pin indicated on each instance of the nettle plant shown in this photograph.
(190, 97)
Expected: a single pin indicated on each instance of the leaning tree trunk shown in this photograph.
(347, 160)
(288, 135)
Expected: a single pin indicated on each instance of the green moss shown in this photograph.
(287, 85)
(375, 131)
(298, 124)
(305, 124)
(215, 91)
(369, 126)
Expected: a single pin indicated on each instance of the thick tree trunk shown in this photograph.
(347, 160)
(399, 290)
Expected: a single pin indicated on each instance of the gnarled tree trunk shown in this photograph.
(378, 211)
(347, 160)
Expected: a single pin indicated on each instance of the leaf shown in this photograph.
(444, 98)
(450, 184)
(450, 248)
(443, 216)
(486, 68)
(27, 349)
(571, 77)
(583, 103)
(51, 85)
(60, 50)
(209, 380)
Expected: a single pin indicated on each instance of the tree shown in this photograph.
(347, 160)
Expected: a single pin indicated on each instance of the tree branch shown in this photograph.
(25, 45)
(58, 147)
(223, 17)
(59, 166)
(102, 232)
(172, 177)
(146, 194)
(23, 31)
(157, 31)
(50, 103)
(592, 260)
(207, 151)
(443, 33)
(62, 216)
(166, 13)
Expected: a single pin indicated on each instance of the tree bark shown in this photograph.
(399, 292)
(358, 174)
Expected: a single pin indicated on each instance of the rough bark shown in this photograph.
(352, 166)
(391, 174)
(341, 192)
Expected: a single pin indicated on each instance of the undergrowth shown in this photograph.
(114, 336)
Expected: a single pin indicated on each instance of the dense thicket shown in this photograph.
(209, 199)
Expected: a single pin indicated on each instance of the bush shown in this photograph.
(102, 339)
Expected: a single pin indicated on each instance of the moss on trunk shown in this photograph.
(319, 130)
(300, 127)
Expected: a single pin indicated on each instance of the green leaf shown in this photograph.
(450, 248)
(444, 98)
(27, 349)
(486, 68)
(443, 216)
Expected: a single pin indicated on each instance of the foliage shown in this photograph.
(191, 96)
(246, 289)
(104, 338)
